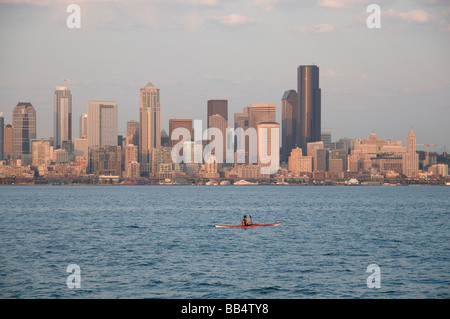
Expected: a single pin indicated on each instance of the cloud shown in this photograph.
(339, 3)
(265, 5)
(316, 28)
(232, 20)
(415, 16)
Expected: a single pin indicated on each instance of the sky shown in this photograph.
(374, 80)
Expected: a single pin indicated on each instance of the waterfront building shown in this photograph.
(24, 127)
(308, 126)
(149, 124)
(62, 110)
(289, 103)
(102, 123)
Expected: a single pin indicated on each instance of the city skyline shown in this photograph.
(372, 80)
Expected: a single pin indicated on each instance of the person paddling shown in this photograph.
(244, 222)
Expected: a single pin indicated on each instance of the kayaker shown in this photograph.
(245, 222)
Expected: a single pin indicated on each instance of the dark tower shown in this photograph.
(308, 109)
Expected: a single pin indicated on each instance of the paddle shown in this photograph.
(251, 221)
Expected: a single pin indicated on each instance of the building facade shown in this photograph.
(62, 110)
(309, 106)
(149, 124)
(289, 103)
(102, 123)
(24, 127)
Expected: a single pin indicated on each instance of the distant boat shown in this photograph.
(244, 182)
(353, 181)
(210, 183)
(225, 183)
(448, 183)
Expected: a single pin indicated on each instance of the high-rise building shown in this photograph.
(309, 106)
(289, 103)
(83, 125)
(24, 127)
(218, 118)
(2, 136)
(217, 107)
(179, 123)
(102, 123)
(326, 139)
(259, 113)
(8, 141)
(150, 124)
(62, 110)
(411, 158)
(132, 133)
(131, 161)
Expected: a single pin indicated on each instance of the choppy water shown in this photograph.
(160, 241)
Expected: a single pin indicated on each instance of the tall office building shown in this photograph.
(219, 107)
(132, 133)
(24, 127)
(411, 158)
(150, 124)
(326, 139)
(2, 136)
(102, 123)
(62, 125)
(289, 103)
(83, 125)
(261, 113)
(218, 118)
(179, 123)
(8, 141)
(309, 106)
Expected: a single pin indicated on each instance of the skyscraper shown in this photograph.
(8, 141)
(62, 110)
(259, 113)
(218, 118)
(289, 103)
(102, 123)
(217, 107)
(309, 106)
(133, 133)
(24, 127)
(411, 158)
(150, 124)
(179, 123)
(2, 136)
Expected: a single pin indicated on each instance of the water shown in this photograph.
(160, 241)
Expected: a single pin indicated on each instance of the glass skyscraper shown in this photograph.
(309, 106)
(24, 127)
(149, 124)
(62, 132)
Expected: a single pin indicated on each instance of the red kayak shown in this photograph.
(252, 225)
